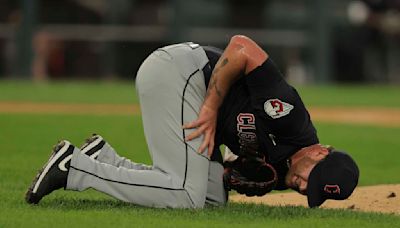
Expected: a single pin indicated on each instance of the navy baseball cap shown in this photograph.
(335, 177)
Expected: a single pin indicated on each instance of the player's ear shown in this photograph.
(316, 152)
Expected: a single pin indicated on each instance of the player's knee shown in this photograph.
(185, 200)
(197, 199)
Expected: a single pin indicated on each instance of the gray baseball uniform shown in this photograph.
(171, 88)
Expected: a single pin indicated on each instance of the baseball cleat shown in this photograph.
(53, 175)
(92, 146)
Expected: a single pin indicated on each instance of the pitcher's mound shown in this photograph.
(380, 198)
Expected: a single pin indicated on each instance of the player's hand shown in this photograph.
(206, 124)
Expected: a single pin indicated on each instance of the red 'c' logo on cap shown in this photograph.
(332, 189)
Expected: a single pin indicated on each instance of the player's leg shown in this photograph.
(98, 148)
(128, 185)
(167, 103)
(179, 177)
(216, 194)
(54, 173)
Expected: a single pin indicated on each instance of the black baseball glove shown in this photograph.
(250, 176)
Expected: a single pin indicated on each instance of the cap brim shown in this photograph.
(314, 197)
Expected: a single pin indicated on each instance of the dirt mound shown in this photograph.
(380, 198)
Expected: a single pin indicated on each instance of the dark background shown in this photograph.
(313, 41)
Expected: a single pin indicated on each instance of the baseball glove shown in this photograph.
(250, 176)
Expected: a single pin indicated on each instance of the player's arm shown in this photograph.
(242, 55)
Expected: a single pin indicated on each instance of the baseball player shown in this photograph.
(194, 99)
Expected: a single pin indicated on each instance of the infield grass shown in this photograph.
(123, 92)
(26, 141)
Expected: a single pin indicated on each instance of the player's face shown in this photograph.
(297, 176)
(303, 162)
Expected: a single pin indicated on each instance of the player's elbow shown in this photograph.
(241, 40)
(238, 44)
(249, 50)
(245, 43)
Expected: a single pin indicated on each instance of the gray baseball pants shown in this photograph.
(171, 88)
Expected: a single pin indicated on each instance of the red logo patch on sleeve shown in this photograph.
(276, 108)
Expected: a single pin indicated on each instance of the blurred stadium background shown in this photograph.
(313, 41)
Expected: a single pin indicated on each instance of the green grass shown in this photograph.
(122, 92)
(26, 140)
(67, 212)
(27, 144)
(376, 149)
(351, 95)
